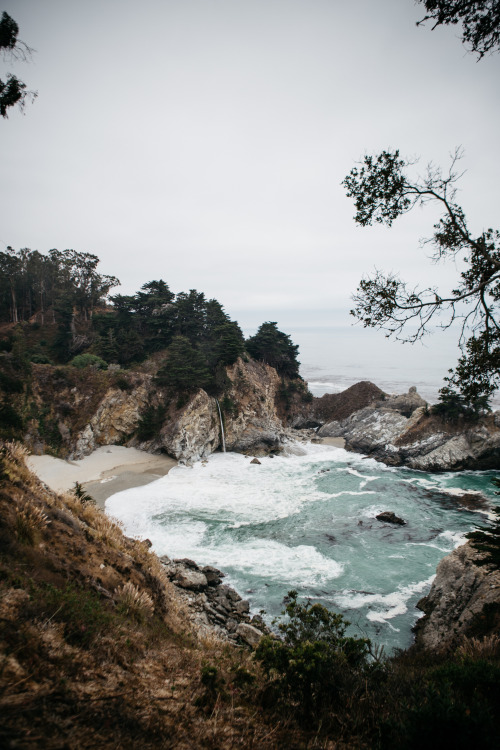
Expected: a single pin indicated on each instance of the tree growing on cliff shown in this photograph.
(275, 348)
(383, 189)
(185, 369)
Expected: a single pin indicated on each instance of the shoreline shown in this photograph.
(109, 469)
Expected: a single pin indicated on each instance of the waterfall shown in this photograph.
(221, 427)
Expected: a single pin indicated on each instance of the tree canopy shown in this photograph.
(383, 189)
(275, 348)
(12, 90)
(480, 20)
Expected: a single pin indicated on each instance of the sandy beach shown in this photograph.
(109, 469)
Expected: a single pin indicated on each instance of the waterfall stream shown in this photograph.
(221, 427)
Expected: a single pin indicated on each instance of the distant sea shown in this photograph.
(334, 358)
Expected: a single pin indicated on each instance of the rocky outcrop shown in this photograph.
(253, 424)
(115, 420)
(98, 412)
(213, 607)
(193, 432)
(399, 430)
(338, 406)
(464, 600)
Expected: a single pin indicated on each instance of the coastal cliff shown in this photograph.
(75, 413)
(464, 601)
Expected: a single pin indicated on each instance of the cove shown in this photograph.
(308, 522)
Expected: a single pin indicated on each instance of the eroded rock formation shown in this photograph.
(464, 600)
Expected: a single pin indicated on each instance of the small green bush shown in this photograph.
(89, 360)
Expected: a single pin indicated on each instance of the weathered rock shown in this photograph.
(242, 606)
(339, 406)
(187, 578)
(387, 516)
(421, 441)
(116, 417)
(255, 461)
(249, 634)
(213, 575)
(461, 594)
(195, 432)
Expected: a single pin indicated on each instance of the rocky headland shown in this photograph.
(401, 430)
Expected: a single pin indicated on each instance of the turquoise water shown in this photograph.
(308, 522)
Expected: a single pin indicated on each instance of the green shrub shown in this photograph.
(454, 705)
(40, 359)
(89, 360)
(314, 661)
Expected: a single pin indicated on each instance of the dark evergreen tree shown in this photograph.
(185, 369)
(229, 343)
(275, 348)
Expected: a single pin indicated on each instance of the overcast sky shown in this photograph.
(204, 142)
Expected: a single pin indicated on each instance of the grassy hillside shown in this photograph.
(97, 651)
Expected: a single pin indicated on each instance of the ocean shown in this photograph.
(306, 520)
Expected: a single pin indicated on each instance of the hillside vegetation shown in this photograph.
(96, 650)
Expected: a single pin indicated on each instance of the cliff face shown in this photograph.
(90, 409)
(464, 600)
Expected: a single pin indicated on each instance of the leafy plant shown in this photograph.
(82, 495)
(314, 660)
(89, 360)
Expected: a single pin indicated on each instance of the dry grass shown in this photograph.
(480, 648)
(30, 520)
(135, 602)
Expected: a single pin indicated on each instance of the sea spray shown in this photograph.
(308, 522)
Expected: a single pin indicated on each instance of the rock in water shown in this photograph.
(389, 517)
(255, 461)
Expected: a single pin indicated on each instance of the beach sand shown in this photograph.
(109, 469)
(336, 442)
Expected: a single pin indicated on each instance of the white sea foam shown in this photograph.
(265, 526)
(383, 607)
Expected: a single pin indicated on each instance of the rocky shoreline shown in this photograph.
(214, 608)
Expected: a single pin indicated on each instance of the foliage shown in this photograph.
(314, 660)
(480, 21)
(275, 348)
(31, 283)
(80, 610)
(452, 706)
(185, 369)
(452, 405)
(80, 493)
(150, 422)
(383, 189)
(12, 91)
(89, 360)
